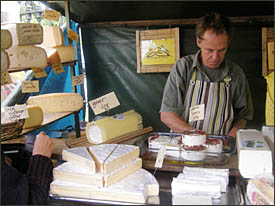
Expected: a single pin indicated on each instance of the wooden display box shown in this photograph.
(157, 50)
(267, 51)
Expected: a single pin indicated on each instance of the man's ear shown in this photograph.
(198, 42)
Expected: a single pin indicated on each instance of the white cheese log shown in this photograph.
(132, 189)
(254, 155)
(111, 127)
(66, 53)
(57, 102)
(6, 39)
(109, 157)
(5, 62)
(52, 37)
(24, 33)
(27, 57)
(80, 157)
(35, 117)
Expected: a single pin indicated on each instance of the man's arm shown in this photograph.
(238, 124)
(174, 122)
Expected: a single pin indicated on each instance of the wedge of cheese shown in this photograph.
(52, 36)
(5, 62)
(80, 157)
(57, 102)
(66, 53)
(6, 39)
(111, 127)
(133, 189)
(24, 34)
(35, 117)
(27, 57)
(109, 157)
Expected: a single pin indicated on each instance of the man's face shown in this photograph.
(213, 48)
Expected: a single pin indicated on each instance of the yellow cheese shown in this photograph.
(24, 33)
(27, 57)
(5, 62)
(6, 40)
(66, 53)
(57, 102)
(111, 127)
(35, 117)
(52, 36)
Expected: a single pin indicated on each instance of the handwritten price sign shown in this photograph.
(39, 72)
(104, 103)
(58, 68)
(76, 80)
(17, 112)
(51, 15)
(30, 86)
(72, 35)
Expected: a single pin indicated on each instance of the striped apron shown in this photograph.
(217, 100)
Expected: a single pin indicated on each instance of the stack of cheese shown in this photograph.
(22, 51)
(104, 172)
(53, 43)
(200, 182)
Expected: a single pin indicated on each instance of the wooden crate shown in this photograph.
(267, 39)
(159, 35)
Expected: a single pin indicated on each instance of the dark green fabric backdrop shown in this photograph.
(110, 58)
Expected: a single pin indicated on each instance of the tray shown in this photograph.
(211, 159)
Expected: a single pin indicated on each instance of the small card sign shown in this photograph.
(39, 72)
(196, 113)
(76, 80)
(160, 157)
(5, 78)
(30, 86)
(17, 112)
(58, 68)
(51, 14)
(104, 103)
(72, 35)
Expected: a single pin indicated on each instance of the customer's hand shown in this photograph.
(43, 145)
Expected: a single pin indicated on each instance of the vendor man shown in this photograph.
(206, 91)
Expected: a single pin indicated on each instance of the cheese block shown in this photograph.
(24, 34)
(5, 62)
(109, 157)
(66, 53)
(53, 57)
(108, 128)
(27, 57)
(57, 102)
(6, 39)
(254, 155)
(80, 157)
(35, 117)
(52, 36)
(133, 189)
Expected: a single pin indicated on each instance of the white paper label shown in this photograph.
(196, 113)
(104, 103)
(160, 157)
(30, 86)
(76, 80)
(17, 112)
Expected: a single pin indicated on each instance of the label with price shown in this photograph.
(160, 157)
(30, 86)
(72, 35)
(16, 112)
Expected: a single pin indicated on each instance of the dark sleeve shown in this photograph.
(40, 175)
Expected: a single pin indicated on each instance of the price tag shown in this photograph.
(160, 157)
(104, 103)
(72, 35)
(76, 80)
(58, 68)
(39, 72)
(196, 113)
(5, 78)
(51, 15)
(16, 112)
(30, 86)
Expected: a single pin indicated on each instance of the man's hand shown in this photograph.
(43, 145)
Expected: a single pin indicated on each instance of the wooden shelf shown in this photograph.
(267, 36)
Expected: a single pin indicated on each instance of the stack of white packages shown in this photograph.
(200, 182)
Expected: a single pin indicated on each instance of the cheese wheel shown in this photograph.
(6, 40)
(24, 34)
(5, 62)
(52, 36)
(35, 117)
(57, 102)
(27, 57)
(111, 127)
(66, 53)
